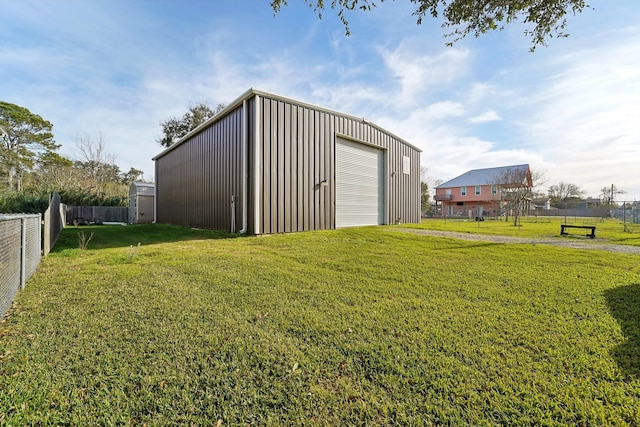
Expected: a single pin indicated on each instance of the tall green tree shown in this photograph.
(175, 128)
(547, 18)
(131, 176)
(23, 137)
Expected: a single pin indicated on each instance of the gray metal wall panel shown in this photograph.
(251, 205)
(195, 181)
(298, 153)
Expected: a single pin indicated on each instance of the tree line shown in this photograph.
(31, 168)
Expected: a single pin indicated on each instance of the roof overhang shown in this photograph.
(252, 93)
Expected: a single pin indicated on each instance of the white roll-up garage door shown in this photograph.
(359, 184)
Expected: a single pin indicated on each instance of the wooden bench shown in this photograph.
(592, 234)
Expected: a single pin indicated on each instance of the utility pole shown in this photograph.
(611, 195)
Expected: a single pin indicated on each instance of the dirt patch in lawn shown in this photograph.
(565, 242)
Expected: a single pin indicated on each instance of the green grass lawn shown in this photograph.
(363, 326)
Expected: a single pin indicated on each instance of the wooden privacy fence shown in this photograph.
(54, 221)
(85, 214)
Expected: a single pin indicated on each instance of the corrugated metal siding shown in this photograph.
(298, 153)
(404, 189)
(295, 153)
(195, 180)
(296, 157)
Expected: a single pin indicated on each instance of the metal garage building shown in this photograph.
(268, 164)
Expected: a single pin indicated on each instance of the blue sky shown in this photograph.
(117, 68)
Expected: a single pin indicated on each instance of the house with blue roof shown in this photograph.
(483, 192)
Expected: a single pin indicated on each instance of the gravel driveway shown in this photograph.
(568, 242)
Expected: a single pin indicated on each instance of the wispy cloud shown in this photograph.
(486, 117)
(417, 74)
(569, 109)
(583, 117)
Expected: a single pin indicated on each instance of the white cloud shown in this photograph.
(570, 109)
(584, 117)
(417, 73)
(478, 92)
(487, 116)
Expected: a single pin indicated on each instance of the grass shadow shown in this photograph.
(624, 303)
(115, 236)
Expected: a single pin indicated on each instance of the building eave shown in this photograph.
(250, 93)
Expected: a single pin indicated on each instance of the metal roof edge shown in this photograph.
(338, 113)
(226, 110)
(496, 168)
(252, 92)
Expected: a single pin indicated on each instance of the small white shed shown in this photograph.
(141, 203)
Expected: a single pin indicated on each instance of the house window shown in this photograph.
(447, 191)
(494, 189)
(477, 190)
(463, 191)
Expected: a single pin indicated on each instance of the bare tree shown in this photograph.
(563, 192)
(609, 193)
(55, 173)
(516, 184)
(93, 149)
(427, 185)
(99, 170)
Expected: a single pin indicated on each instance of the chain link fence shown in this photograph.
(628, 212)
(20, 252)
(22, 246)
